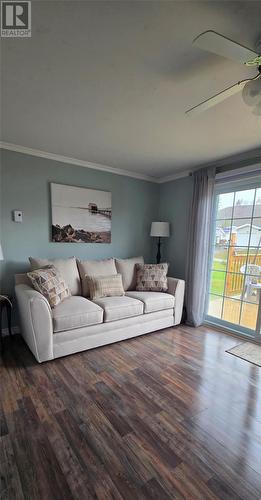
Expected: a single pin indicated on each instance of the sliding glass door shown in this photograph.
(235, 261)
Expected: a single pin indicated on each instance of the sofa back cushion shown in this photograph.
(126, 267)
(94, 268)
(67, 267)
(105, 286)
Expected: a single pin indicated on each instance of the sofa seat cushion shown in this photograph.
(76, 312)
(116, 308)
(153, 301)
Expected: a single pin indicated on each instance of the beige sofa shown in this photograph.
(78, 323)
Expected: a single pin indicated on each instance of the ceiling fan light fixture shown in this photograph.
(251, 92)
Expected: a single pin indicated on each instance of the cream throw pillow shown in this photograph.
(152, 277)
(105, 286)
(50, 283)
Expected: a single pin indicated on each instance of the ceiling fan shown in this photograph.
(250, 87)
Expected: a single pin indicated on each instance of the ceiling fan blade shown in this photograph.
(217, 98)
(223, 46)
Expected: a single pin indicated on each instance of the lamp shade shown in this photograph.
(160, 229)
(1, 253)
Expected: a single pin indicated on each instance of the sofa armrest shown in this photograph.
(36, 321)
(176, 287)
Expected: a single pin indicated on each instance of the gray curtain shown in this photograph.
(198, 244)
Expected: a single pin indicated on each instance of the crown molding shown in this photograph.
(230, 162)
(236, 161)
(254, 169)
(174, 177)
(87, 164)
(74, 161)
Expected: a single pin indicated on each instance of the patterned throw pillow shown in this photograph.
(105, 286)
(152, 277)
(50, 283)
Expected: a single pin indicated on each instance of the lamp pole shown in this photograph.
(158, 256)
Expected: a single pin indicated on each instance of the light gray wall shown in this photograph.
(26, 186)
(175, 200)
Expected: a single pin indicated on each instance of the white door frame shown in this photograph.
(254, 334)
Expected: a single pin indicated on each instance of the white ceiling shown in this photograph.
(108, 82)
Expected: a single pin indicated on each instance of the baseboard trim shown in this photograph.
(231, 333)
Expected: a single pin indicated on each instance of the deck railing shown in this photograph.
(236, 261)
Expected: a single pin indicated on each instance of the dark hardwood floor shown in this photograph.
(166, 415)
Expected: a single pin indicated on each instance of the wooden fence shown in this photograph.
(236, 261)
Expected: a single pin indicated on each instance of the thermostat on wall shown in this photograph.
(17, 216)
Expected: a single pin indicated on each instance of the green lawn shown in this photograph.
(219, 264)
(218, 277)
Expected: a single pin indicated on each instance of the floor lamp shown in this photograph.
(159, 230)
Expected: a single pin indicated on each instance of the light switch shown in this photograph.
(18, 216)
